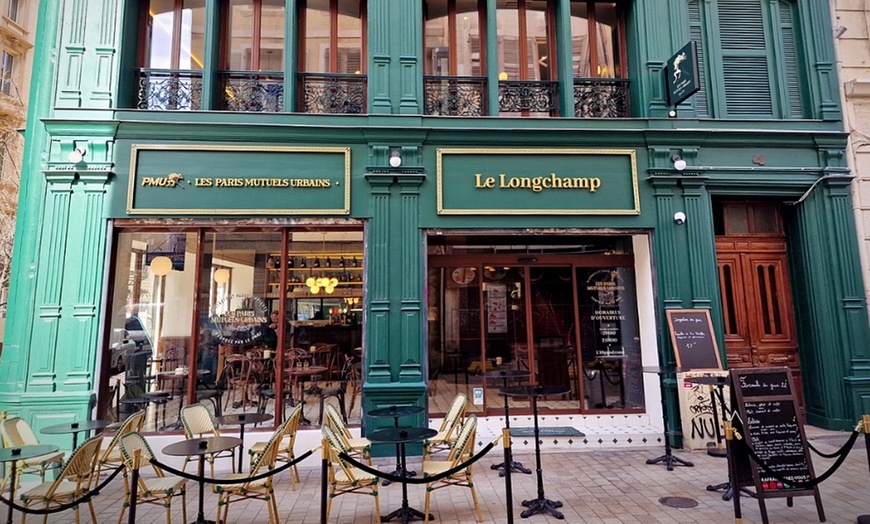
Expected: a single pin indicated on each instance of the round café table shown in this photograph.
(302, 373)
(75, 428)
(13, 455)
(240, 419)
(396, 412)
(400, 437)
(504, 375)
(534, 391)
(201, 447)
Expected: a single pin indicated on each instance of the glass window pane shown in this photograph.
(350, 59)
(150, 322)
(192, 45)
(468, 52)
(580, 40)
(241, 35)
(608, 40)
(507, 20)
(437, 59)
(272, 36)
(161, 18)
(537, 42)
(317, 37)
(7, 70)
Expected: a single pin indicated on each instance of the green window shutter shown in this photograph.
(696, 35)
(790, 57)
(746, 78)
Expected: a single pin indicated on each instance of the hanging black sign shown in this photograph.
(681, 74)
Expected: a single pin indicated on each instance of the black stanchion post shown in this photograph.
(733, 477)
(865, 519)
(508, 460)
(134, 487)
(324, 474)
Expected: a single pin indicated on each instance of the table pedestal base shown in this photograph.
(515, 467)
(398, 472)
(406, 513)
(541, 505)
(670, 460)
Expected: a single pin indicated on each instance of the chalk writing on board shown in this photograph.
(764, 384)
(776, 439)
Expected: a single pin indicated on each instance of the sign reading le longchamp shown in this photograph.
(271, 180)
(537, 182)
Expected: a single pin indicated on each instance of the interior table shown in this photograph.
(181, 378)
(240, 419)
(541, 503)
(201, 447)
(302, 373)
(400, 437)
(395, 412)
(504, 375)
(75, 428)
(668, 458)
(13, 455)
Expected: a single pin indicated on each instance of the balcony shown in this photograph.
(528, 96)
(168, 89)
(254, 92)
(601, 98)
(332, 93)
(454, 95)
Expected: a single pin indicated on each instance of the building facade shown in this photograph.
(431, 189)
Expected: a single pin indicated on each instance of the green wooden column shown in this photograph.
(395, 82)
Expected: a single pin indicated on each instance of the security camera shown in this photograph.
(679, 218)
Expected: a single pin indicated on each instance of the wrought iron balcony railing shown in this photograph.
(332, 93)
(169, 89)
(454, 95)
(252, 91)
(519, 96)
(601, 98)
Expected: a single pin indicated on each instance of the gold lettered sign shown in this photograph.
(537, 182)
(238, 180)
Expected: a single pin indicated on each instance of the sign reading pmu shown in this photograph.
(681, 74)
(174, 179)
(537, 182)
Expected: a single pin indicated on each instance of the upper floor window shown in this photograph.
(750, 64)
(7, 70)
(12, 11)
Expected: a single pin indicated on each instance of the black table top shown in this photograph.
(194, 446)
(26, 452)
(506, 374)
(401, 435)
(75, 427)
(709, 380)
(395, 411)
(534, 390)
(243, 418)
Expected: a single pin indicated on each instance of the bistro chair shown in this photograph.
(16, 432)
(462, 450)
(285, 448)
(198, 423)
(111, 456)
(344, 478)
(258, 489)
(339, 392)
(358, 446)
(157, 490)
(443, 440)
(72, 483)
(238, 370)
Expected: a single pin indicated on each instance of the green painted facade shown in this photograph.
(83, 87)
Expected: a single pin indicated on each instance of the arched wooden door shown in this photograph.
(755, 289)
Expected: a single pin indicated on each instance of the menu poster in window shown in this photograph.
(496, 308)
(608, 311)
(693, 339)
(770, 423)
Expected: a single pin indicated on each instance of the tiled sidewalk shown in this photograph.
(607, 486)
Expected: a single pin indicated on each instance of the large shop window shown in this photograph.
(561, 308)
(195, 316)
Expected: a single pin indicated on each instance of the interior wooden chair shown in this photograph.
(338, 392)
(443, 440)
(110, 455)
(259, 489)
(344, 478)
(16, 432)
(359, 446)
(198, 423)
(285, 448)
(238, 370)
(157, 490)
(462, 450)
(72, 482)
(172, 358)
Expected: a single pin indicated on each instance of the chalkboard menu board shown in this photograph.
(770, 423)
(693, 339)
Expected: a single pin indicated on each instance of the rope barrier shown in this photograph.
(423, 480)
(63, 507)
(243, 480)
(801, 483)
(839, 451)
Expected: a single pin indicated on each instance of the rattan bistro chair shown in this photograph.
(198, 423)
(16, 432)
(157, 490)
(285, 447)
(344, 478)
(449, 427)
(462, 450)
(259, 489)
(72, 483)
(110, 456)
(358, 446)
